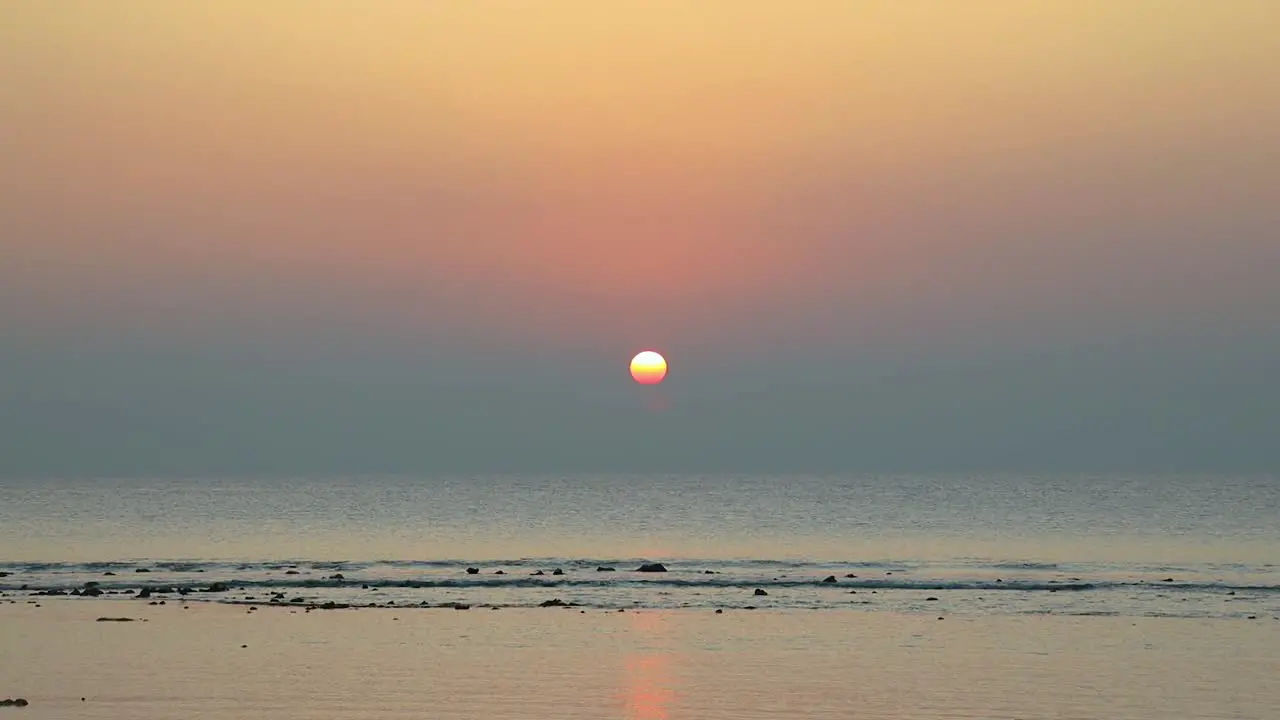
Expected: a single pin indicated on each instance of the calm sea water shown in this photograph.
(1142, 546)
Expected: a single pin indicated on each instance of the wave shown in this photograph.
(222, 583)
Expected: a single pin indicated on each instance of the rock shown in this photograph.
(461, 606)
(1167, 580)
(473, 571)
(291, 572)
(92, 583)
(331, 605)
(719, 611)
(141, 570)
(7, 702)
(930, 599)
(708, 572)
(539, 573)
(297, 600)
(760, 592)
(337, 576)
(829, 579)
(218, 587)
(499, 572)
(851, 575)
(91, 592)
(108, 574)
(603, 568)
(5, 574)
(557, 571)
(652, 567)
(748, 607)
(115, 619)
(554, 602)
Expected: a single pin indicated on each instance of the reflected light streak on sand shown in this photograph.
(649, 690)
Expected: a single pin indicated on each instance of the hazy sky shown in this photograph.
(332, 235)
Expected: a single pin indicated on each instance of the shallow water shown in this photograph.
(1205, 547)
(225, 663)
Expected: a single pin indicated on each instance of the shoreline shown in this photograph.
(222, 661)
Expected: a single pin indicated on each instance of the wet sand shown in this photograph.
(216, 661)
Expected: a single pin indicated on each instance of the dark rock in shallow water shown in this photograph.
(91, 592)
(603, 568)
(554, 602)
(114, 619)
(291, 572)
(851, 575)
(218, 587)
(829, 579)
(473, 571)
(5, 574)
(557, 571)
(652, 567)
(759, 592)
(337, 576)
(499, 572)
(141, 570)
(539, 573)
(92, 583)
(930, 599)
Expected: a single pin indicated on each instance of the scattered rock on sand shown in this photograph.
(18, 702)
(604, 568)
(539, 573)
(851, 575)
(760, 592)
(115, 619)
(930, 599)
(719, 611)
(218, 587)
(141, 570)
(554, 602)
(337, 576)
(557, 571)
(652, 567)
(829, 579)
(473, 571)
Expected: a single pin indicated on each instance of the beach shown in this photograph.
(213, 661)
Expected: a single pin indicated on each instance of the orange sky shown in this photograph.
(650, 169)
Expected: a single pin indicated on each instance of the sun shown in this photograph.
(648, 368)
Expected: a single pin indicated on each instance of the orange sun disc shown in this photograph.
(648, 368)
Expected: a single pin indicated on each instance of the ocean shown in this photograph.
(996, 544)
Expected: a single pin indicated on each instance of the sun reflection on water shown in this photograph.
(650, 683)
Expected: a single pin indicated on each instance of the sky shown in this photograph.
(335, 236)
